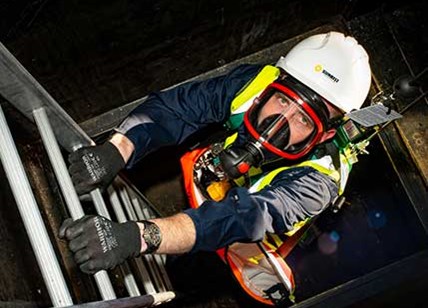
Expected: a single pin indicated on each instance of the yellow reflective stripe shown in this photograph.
(267, 75)
(334, 174)
(296, 227)
(269, 177)
(276, 239)
(241, 181)
(229, 140)
(345, 169)
(256, 259)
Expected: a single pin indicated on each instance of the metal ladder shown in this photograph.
(20, 89)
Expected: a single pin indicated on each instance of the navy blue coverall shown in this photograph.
(169, 117)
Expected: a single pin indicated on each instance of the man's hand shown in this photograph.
(94, 167)
(98, 243)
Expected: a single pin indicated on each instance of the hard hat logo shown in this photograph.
(330, 75)
(319, 69)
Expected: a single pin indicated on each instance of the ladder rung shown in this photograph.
(139, 301)
(121, 217)
(123, 193)
(144, 214)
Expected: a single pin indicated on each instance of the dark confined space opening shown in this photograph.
(376, 226)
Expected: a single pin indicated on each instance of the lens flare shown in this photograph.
(328, 242)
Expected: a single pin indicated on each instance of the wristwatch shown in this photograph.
(152, 236)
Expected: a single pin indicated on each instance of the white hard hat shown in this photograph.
(334, 66)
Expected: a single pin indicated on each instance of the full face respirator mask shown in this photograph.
(286, 121)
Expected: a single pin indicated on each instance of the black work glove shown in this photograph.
(100, 244)
(94, 167)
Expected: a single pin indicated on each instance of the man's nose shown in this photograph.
(290, 112)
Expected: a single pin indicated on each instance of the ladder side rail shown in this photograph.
(148, 300)
(21, 90)
(33, 222)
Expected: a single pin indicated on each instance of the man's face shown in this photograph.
(287, 125)
(280, 106)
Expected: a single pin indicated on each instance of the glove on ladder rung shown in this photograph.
(100, 206)
(67, 188)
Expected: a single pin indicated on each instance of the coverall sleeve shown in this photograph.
(169, 117)
(294, 195)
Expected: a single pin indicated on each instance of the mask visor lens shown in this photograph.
(282, 122)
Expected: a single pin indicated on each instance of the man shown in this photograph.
(269, 177)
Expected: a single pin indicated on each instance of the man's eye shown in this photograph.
(304, 120)
(284, 101)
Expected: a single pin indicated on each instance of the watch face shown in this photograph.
(152, 236)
